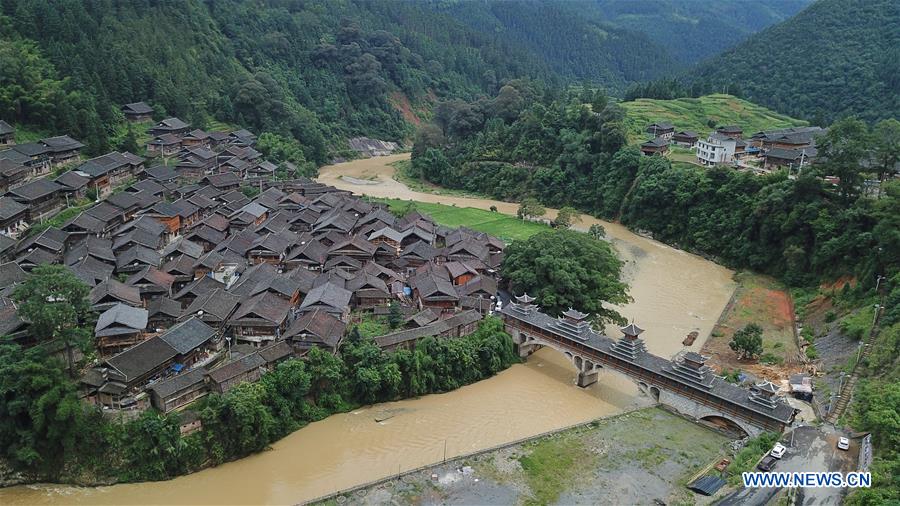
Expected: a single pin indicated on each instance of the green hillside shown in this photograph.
(698, 114)
(696, 29)
(833, 59)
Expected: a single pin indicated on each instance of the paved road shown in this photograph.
(814, 449)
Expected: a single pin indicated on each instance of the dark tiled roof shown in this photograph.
(217, 305)
(120, 315)
(178, 383)
(73, 179)
(142, 358)
(9, 208)
(327, 294)
(188, 335)
(137, 108)
(118, 291)
(317, 324)
(11, 274)
(267, 306)
(236, 368)
(61, 143)
(35, 189)
(658, 142)
(160, 173)
(165, 306)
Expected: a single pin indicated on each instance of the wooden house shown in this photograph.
(137, 111)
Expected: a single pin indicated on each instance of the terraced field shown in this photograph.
(696, 113)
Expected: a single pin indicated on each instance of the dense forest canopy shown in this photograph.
(322, 71)
(835, 58)
(696, 29)
(316, 71)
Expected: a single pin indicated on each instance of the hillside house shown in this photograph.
(316, 328)
(177, 392)
(172, 126)
(716, 149)
(685, 138)
(164, 145)
(792, 158)
(111, 170)
(33, 155)
(137, 111)
(786, 138)
(62, 149)
(657, 146)
(13, 173)
(42, 197)
(661, 129)
(7, 134)
(119, 327)
(74, 184)
(733, 131)
(13, 217)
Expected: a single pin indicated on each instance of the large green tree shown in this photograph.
(42, 421)
(747, 342)
(564, 269)
(55, 304)
(842, 149)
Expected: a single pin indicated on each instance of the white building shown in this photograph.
(716, 149)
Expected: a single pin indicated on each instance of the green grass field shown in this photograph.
(507, 228)
(695, 114)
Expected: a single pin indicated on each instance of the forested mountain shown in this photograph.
(835, 58)
(317, 71)
(697, 29)
(570, 36)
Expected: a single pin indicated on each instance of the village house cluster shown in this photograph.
(198, 286)
(792, 147)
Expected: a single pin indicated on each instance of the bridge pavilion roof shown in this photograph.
(711, 384)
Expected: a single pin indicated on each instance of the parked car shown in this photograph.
(777, 451)
(843, 444)
(767, 463)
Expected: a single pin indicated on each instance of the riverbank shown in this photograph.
(764, 301)
(639, 457)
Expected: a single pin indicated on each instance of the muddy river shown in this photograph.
(674, 293)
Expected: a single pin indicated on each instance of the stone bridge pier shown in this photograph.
(588, 371)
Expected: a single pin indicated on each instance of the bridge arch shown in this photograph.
(727, 424)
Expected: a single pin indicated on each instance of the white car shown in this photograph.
(778, 450)
(843, 444)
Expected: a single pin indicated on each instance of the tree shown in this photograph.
(42, 421)
(55, 303)
(597, 231)
(395, 316)
(886, 135)
(747, 342)
(530, 208)
(129, 142)
(151, 447)
(843, 148)
(250, 423)
(566, 217)
(564, 269)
